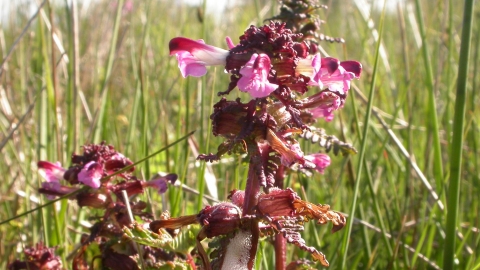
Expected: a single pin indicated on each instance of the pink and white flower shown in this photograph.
(91, 174)
(329, 103)
(254, 78)
(53, 174)
(320, 160)
(193, 56)
(330, 72)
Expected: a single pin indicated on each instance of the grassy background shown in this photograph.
(113, 80)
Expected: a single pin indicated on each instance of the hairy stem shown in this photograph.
(280, 242)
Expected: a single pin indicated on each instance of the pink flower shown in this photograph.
(320, 160)
(91, 174)
(193, 56)
(160, 182)
(117, 162)
(330, 73)
(229, 43)
(51, 172)
(325, 109)
(293, 155)
(254, 78)
(309, 66)
(335, 77)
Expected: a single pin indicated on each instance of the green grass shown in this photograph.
(116, 82)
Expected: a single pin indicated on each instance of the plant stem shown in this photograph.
(457, 139)
(280, 241)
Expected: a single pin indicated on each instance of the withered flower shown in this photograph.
(38, 257)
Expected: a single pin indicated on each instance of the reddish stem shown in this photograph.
(280, 252)
(252, 188)
(280, 242)
(258, 155)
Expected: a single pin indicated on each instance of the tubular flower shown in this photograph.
(193, 56)
(335, 75)
(254, 78)
(320, 160)
(117, 162)
(160, 182)
(309, 67)
(329, 103)
(38, 257)
(91, 174)
(51, 172)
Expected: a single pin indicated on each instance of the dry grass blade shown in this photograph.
(403, 150)
(55, 37)
(17, 125)
(20, 36)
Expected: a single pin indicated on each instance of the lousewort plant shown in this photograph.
(96, 179)
(291, 86)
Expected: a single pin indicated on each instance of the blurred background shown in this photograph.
(77, 72)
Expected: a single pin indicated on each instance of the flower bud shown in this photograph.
(277, 203)
(92, 199)
(220, 219)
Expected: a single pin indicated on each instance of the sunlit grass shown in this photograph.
(119, 84)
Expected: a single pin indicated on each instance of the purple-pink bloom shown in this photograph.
(254, 78)
(160, 182)
(325, 109)
(116, 162)
(51, 172)
(292, 156)
(309, 67)
(335, 77)
(229, 43)
(91, 174)
(320, 160)
(193, 56)
(290, 153)
(330, 72)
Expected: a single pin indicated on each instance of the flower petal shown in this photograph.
(353, 67)
(189, 65)
(320, 160)
(91, 174)
(327, 103)
(160, 182)
(51, 172)
(229, 43)
(193, 55)
(254, 78)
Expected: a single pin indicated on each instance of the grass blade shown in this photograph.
(457, 139)
(432, 107)
(368, 113)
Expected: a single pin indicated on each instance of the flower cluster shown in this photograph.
(277, 68)
(96, 167)
(38, 257)
(96, 179)
(270, 62)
